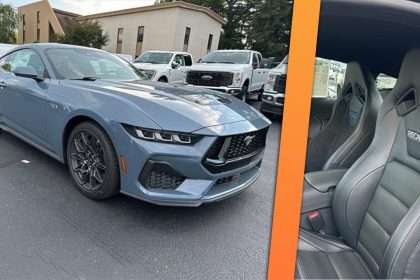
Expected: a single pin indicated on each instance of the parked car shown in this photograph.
(117, 133)
(162, 66)
(126, 57)
(236, 72)
(274, 89)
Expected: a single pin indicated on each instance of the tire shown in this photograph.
(163, 80)
(92, 162)
(244, 93)
(260, 94)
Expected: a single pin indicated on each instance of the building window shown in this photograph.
(38, 29)
(140, 38)
(210, 43)
(187, 38)
(120, 39)
(23, 28)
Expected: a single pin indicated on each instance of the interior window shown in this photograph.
(188, 60)
(329, 78)
(26, 59)
(385, 83)
(179, 59)
(255, 60)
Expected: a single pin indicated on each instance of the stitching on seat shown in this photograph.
(333, 266)
(377, 222)
(363, 264)
(387, 189)
(330, 242)
(369, 255)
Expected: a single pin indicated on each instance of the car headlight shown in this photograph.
(150, 74)
(169, 137)
(237, 79)
(269, 85)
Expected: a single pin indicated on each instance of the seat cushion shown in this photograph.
(321, 257)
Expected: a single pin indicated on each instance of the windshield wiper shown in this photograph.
(91, 79)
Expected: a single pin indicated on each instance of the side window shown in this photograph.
(329, 78)
(188, 60)
(24, 58)
(385, 84)
(179, 59)
(255, 61)
(260, 58)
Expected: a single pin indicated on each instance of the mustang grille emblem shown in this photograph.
(207, 77)
(248, 140)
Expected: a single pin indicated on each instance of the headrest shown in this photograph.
(407, 89)
(358, 77)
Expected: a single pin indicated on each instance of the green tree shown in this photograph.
(88, 33)
(8, 24)
(269, 30)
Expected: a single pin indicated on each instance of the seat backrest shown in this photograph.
(352, 124)
(376, 205)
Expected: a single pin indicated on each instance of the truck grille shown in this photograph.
(210, 79)
(280, 84)
(235, 151)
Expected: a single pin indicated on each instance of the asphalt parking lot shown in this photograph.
(48, 230)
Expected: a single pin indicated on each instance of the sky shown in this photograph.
(85, 7)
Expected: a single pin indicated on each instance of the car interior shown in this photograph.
(361, 200)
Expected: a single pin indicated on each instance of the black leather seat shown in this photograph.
(376, 205)
(351, 126)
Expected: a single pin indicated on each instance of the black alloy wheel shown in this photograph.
(92, 162)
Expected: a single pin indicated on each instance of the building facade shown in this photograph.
(175, 26)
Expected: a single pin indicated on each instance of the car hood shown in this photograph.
(176, 108)
(218, 67)
(282, 69)
(150, 66)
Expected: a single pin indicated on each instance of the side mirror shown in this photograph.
(175, 65)
(255, 65)
(27, 72)
(199, 61)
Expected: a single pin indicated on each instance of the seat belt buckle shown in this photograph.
(316, 221)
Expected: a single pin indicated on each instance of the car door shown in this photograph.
(257, 73)
(23, 101)
(178, 73)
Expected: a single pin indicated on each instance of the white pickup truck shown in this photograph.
(236, 72)
(163, 66)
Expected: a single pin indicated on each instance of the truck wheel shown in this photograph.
(244, 93)
(163, 80)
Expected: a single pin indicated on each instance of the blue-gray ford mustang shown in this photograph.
(168, 145)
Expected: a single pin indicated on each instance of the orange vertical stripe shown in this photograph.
(287, 206)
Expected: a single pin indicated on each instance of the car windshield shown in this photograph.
(155, 58)
(227, 57)
(88, 64)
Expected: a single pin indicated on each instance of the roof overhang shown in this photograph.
(176, 4)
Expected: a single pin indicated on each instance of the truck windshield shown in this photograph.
(227, 57)
(154, 58)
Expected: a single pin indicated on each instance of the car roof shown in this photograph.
(176, 52)
(234, 51)
(377, 33)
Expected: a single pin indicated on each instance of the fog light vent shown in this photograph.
(160, 175)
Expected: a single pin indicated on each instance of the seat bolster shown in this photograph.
(321, 257)
(402, 256)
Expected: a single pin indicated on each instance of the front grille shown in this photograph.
(157, 175)
(210, 79)
(280, 84)
(232, 152)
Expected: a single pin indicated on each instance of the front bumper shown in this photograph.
(272, 103)
(235, 91)
(200, 185)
